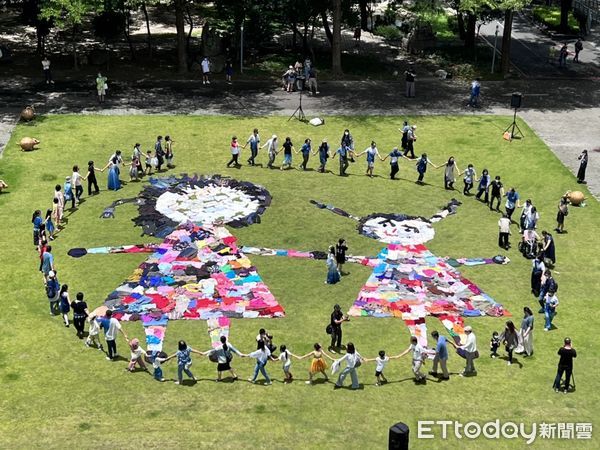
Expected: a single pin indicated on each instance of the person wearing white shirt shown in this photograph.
(418, 355)
(224, 355)
(262, 356)
(254, 141)
(469, 351)
(272, 149)
(111, 327)
(76, 186)
(504, 232)
(46, 69)
(353, 361)
(381, 361)
(205, 70)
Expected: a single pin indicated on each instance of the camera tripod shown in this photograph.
(299, 112)
(513, 126)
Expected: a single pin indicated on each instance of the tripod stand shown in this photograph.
(514, 126)
(299, 112)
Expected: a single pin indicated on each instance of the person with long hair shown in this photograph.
(64, 304)
(169, 151)
(49, 224)
(288, 148)
(80, 313)
(333, 274)
(323, 152)
(353, 360)
(37, 221)
(583, 162)
(91, 178)
(224, 355)
(537, 270)
(340, 254)
(563, 211)
(318, 363)
(484, 187)
(262, 356)
(510, 339)
(450, 171)
(526, 333)
(114, 184)
(77, 186)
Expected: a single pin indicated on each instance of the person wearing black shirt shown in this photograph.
(337, 318)
(565, 365)
(410, 82)
(340, 254)
(159, 153)
(496, 192)
(80, 312)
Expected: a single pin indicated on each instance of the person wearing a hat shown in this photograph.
(272, 150)
(469, 351)
(323, 151)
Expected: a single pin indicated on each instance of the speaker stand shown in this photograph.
(513, 126)
(299, 112)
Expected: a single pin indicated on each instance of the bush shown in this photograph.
(388, 32)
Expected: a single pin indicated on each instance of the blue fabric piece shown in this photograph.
(471, 313)
(281, 252)
(157, 322)
(152, 340)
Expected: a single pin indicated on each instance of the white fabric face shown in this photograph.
(405, 232)
(208, 205)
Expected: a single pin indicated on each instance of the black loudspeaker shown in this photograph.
(515, 100)
(399, 437)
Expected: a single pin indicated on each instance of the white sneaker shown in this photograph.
(509, 363)
(177, 382)
(251, 380)
(268, 384)
(108, 358)
(308, 382)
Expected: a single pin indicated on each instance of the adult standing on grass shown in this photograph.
(288, 148)
(409, 77)
(411, 138)
(205, 64)
(548, 249)
(272, 151)
(235, 152)
(111, 327)
(159, 153)
(64, 304)
(353, 360)
(101, 87)
(91, 178)
(537, 270)
(526, 333)
(254, 141)
(305, 150)
(343, 153)
(394, 156)
(441, 356)
(371, 153)
(583, 162)
(496, 193)
(58, 195)
(337, 319)
(468, 179)
(53, 292)
(548, 284)
(563, 211)
(114, 183)
(510, 338)
(47, 262)
(468, 350)
(318, 364)
(184, 361)
(565, 365)
(512, 202)
(333, 274)
(224, 355)
(80, 313)
(323, 152)
(262, 356)
(76, 186)
(484, 187)
(168, 152)
(418, 356)
(422, 167)
(348, 142)
(504, 232)
(340, 254)
(37, 221)
(450, 169)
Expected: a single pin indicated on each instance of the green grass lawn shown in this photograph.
(55, 393)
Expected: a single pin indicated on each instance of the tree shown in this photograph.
(565, 9)
(509, 7)
(68, 15)
(336, 44)
(182, 64)
(30, 14)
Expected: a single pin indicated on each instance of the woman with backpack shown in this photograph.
(223, 355)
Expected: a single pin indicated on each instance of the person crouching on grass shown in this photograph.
(137, 354)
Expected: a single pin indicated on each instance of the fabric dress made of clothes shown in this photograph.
(333, 276)
(114, 184)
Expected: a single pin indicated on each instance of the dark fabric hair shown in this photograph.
(261, 345)
(350, 348)
(36, 213)
(79, 296)
(317, 346)
(435, 334)
(182, 345)
(224, 342)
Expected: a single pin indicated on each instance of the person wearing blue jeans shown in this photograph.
(184, 361)
(353, 360)
(551, 302)
(262, 356)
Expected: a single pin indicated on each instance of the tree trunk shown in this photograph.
(147, 29)
(305, 40)
(128, 35)
(181, 37)
(462, 33)
(364, 14)
(336, 44)
(470, 31)
(294, 33)
(506, 40)
(188, 40)
(328, 32)
(565, 8)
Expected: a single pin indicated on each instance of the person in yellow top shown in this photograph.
(318, 364)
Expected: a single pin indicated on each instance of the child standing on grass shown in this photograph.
(494, 344)
(148, 162)
(286, 359)
(318, 364)
(235, 152)
(157, 359)
(382, 359)
(137, 354)
(94, 334)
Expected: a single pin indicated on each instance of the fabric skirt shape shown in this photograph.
(221, 367)
(317, 365)
(113, 179)
(50, 226)
(333, 276)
